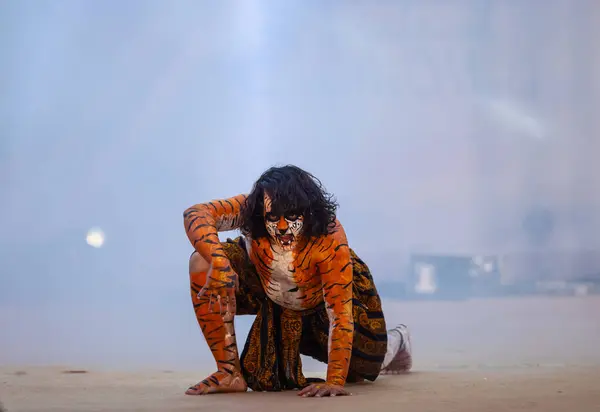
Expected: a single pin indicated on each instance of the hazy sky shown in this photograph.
(438, 125)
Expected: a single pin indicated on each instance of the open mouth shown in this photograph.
(285, 240)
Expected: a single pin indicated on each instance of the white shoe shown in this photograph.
(398, 358)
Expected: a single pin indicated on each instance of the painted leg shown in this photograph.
(219, 333)
(398, 358)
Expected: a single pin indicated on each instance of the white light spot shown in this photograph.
(95, 237)
(426, 283)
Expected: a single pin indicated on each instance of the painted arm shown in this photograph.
(203, 222)
(336, 273)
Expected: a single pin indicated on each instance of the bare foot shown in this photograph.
(399, 349)
(219, 382)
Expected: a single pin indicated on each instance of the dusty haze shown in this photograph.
(439, 125)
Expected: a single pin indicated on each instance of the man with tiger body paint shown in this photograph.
(292, 268)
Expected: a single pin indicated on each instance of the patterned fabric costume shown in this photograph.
(271, 356)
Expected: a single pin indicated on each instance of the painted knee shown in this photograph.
(198, 264)
(198, 271)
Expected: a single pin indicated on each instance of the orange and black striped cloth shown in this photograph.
(271, 356)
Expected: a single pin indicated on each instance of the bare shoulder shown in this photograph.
(335, 252)
(337, 234)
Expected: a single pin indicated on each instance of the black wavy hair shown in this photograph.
(292, 191)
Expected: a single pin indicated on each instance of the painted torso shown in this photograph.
(290, 278)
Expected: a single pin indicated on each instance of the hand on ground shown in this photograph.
(319, 390)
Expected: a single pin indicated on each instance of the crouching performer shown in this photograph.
(292, 268)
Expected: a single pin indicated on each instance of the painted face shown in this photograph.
(284, 230)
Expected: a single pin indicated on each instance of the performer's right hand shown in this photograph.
(220, 287)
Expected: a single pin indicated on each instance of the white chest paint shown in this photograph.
(282, 287)
(280, 284)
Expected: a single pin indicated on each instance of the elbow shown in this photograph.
(189, 216)
(189, 212)
(342, 322)
(344, 328)
(349, 324)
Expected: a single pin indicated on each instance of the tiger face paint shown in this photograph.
(284, 230)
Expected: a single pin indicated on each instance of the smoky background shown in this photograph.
(444, 128)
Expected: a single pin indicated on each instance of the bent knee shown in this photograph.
(198, 263)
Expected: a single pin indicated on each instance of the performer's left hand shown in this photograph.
(319, 390)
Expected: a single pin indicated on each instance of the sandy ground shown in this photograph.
(500, 355)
